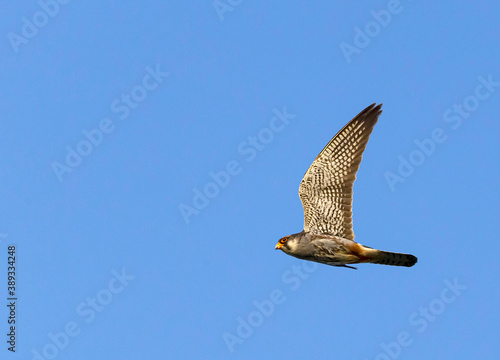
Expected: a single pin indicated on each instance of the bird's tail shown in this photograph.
(365, 254)
(391, 258)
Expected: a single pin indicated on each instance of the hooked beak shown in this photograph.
(278, 246)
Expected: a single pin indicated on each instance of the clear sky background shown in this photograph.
(116, 116)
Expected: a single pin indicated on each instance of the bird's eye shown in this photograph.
(283, 240)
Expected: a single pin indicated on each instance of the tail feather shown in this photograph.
(391, 258)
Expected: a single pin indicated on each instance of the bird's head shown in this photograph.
(287, 244)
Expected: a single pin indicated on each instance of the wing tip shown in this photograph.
(372, 109)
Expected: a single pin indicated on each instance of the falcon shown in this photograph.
(326, 195)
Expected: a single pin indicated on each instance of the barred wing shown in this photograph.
(326, 189)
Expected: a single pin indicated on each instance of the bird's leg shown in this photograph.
(347, 266)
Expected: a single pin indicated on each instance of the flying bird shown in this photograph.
(326, 195)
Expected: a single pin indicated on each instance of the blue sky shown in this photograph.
(152, 153)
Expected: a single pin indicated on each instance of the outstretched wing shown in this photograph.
(326, 189)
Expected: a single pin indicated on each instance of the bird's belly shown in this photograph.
(335, 251)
